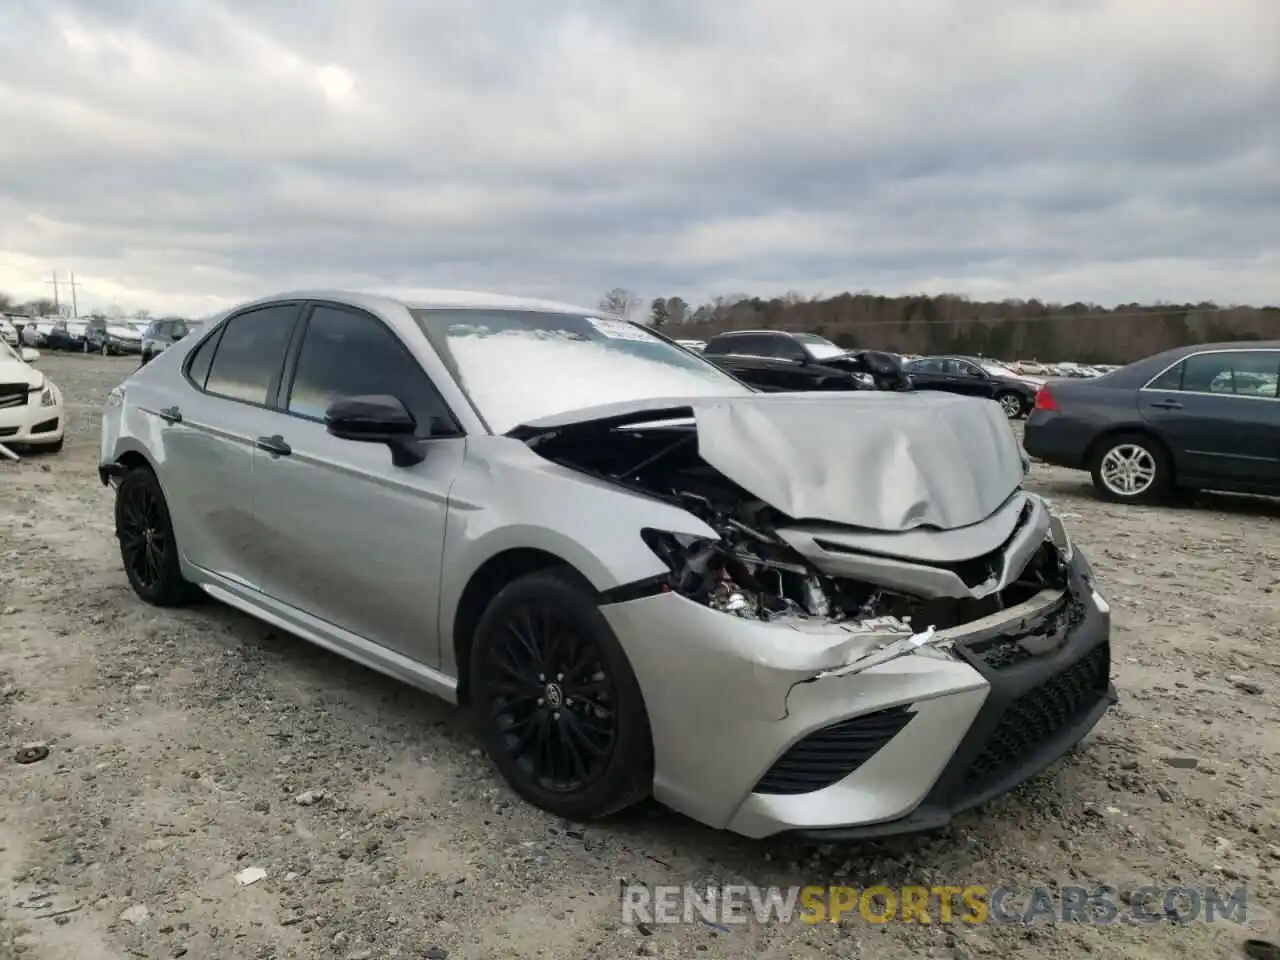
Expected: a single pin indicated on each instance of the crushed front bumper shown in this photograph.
(738, 708)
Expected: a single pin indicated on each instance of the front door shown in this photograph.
(345, 535)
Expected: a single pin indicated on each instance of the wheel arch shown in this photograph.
(484, 584)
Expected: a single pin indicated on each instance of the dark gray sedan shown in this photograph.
(1202, 417)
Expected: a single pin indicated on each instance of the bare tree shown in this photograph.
(143, 314)
(658, 315)
(620, 302)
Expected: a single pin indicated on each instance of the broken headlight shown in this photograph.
(1060, 538)
(746, 576)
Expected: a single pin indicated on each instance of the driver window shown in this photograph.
(786, 349)
(346, 354)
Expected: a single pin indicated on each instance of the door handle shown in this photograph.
(1167, 404)
(274, 445)
(170, 415)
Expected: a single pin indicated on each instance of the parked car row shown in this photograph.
(90, 335)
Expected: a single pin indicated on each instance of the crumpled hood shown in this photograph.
(870, 459)
(123, 332)
(875, 460)
(13, 372)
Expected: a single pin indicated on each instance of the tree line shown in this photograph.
(44, 307)
(948, 323)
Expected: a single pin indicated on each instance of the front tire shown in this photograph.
(1132, 468)
(148, 548)
(559, 708)
(106, 350)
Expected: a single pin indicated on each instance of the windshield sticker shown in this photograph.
(619, 329)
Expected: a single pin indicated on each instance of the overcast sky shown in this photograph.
(182, 154)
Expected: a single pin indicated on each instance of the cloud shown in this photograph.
(184, 154)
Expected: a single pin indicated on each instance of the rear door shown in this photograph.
(927, 374)
(208, 438)
(1219, 411)
(970, 379)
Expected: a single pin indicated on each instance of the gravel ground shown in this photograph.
(181, 742)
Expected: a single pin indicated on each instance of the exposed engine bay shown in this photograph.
(751, 571)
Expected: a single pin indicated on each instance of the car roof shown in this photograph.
(429, 299)
(744, 333)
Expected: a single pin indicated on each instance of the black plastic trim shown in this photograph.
(636, 590)
(828, 755)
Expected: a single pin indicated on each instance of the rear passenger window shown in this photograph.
(350, 354)
(251, 352)
(1245, 373)
(1171, 379)
(201, 359)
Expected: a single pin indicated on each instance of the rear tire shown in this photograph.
(106, 350)
(1132, 468)
(558, 707)
(1014, 406)
(148, 548)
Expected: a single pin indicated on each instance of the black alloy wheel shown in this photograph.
(560, 709)
(552, 704)
(147, 545)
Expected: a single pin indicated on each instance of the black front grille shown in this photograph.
(832, 753)
(13, 395)
(1040, 714)
(1000, 653)
(8, 431)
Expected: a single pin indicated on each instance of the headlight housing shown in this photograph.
(1061, 539)
(47, 397)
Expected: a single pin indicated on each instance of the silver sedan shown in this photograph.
(836, 614)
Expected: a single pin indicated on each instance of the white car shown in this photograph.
(31, 411)
(8, 332)
(34, 333)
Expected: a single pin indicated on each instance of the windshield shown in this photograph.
(517, 366)
(997, 369)
(820, 348)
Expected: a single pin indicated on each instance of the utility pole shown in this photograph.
(56, 302)
(75, 306)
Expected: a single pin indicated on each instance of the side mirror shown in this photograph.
(29, 355)
(376, 418)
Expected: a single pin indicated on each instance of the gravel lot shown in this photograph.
(180, 742)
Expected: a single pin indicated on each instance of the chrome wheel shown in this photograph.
(1128, 470)
(1011, 405)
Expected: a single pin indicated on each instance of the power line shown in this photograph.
(57, 304)
(75, 306)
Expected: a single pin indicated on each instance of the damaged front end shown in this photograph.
(889, 591)
(805, 577)
(892, 629)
